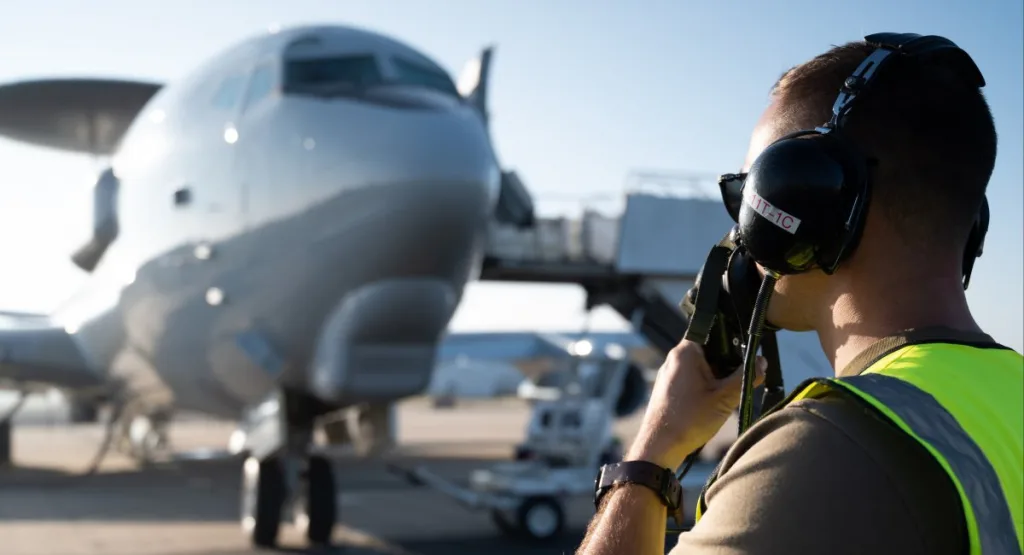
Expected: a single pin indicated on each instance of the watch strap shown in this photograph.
(662, 481)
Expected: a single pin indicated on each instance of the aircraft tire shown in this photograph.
(318, 509)
(263, 496)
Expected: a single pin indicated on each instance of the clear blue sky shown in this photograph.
(582, 92)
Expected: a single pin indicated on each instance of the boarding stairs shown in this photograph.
(640, 261)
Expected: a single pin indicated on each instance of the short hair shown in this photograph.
(930, 130)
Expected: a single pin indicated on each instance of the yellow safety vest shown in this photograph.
(965, 405)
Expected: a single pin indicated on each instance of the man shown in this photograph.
(825, 474)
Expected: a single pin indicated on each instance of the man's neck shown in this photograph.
(889, 303)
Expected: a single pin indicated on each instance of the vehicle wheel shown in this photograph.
(317, 509)
(263, 496)
(504, 524)
(541, 518)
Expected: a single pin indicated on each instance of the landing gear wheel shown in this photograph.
(317, 509)
(541, 518)
(263, 496)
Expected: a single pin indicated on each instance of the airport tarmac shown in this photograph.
(191, 508)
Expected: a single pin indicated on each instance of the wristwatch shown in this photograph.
(660, 480)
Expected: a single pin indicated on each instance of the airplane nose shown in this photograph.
(396, 202)
(450, 148)
(416, 185)
(439, 149)
(442, 186)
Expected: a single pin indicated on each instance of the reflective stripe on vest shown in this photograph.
(952, 372)
(921, 416)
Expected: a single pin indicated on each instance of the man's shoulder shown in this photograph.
(826, 468)
(834, 435)
(826, 435)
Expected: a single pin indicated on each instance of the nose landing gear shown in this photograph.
(280, 473)
(263, 495)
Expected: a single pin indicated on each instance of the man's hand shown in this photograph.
(687, 407)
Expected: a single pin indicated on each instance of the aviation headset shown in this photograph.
(803, 202)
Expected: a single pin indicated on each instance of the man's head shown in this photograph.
(932, 135)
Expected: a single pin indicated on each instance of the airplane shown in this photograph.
(281, 237)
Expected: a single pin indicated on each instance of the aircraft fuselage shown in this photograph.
(303, 210)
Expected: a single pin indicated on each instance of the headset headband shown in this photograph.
(908, 44)
(853, 86)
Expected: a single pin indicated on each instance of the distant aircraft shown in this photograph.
(283, 233)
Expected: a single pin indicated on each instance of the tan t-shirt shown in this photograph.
(827, 476)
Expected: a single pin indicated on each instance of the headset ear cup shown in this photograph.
(797, 199)
(853, 202)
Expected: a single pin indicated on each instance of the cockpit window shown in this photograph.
(230, 92)
(337, 73)
(362, 77)
(261, 85)
(411, 73)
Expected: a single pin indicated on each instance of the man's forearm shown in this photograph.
(632, 521)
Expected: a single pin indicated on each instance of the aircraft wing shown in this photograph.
(533, 354)
(79, 115)
(34, 350)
